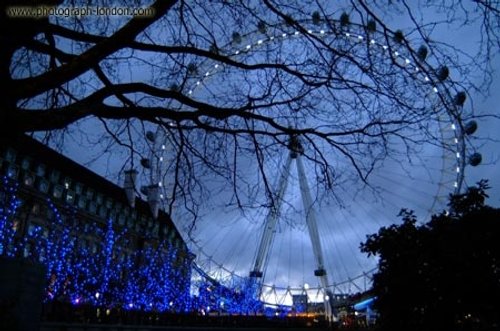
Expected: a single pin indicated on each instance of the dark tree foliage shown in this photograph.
(442, 275)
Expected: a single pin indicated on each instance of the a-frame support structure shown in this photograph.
(262, 255)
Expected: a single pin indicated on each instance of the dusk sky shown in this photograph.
(230, 236)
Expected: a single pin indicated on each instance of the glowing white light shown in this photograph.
(207, 73)
(372, 41)
(190, 92)
(360, 38)
(322, 32)
(310, 31)
(163, 147)
(171, 303)
(426, 79)
(249, 46)
(216, 66)
(396, 53)
(435, 89)
(407, 61)
(446, 212)
(458, 155)
(259, 41)
(296, 33)
(198, 83)
(161, 158)
(327, 298)
(97, 295)
(416, 69)
(347, 34)
(237, 52)
(271, 38)
(162, 196)
(385, 47)
(66, 185)
(306, 286)
(453, 127)
(160, 184)
(456, 140)
(458, 169)
(455, 184)
(130, 305)
(284, 35)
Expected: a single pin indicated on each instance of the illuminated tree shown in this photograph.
(88, 263)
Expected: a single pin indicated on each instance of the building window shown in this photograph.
(99, 199)
(78, 188)
(57, 192)
(67, 182)
(121, 219)
(102, 211)
(10, 155)
(109, 203)
(29, 179)
(13, 171)
(92, 207)
(43, 186)
(89, 194)
(70, 197)
(40, 170)
(54, 176)
(81, 202)
(26, 163)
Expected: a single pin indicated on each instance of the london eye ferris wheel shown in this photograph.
(288, 210)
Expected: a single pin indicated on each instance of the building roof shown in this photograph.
(52, 159)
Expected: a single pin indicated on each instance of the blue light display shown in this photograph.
(91, 264)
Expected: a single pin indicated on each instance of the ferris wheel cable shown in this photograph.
(404, 198)
(279, 255)
(330, 239)
(405, 185)
(352, 196)
(431, 181)
(232, 252)
(340, 256)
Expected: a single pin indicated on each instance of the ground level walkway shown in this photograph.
(100, 327)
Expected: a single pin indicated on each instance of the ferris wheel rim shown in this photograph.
(451, 110)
